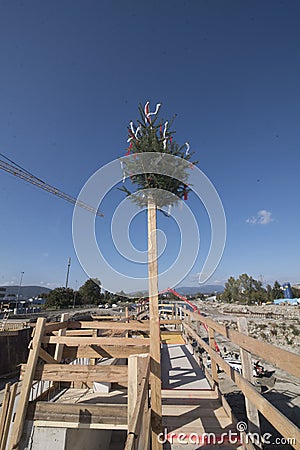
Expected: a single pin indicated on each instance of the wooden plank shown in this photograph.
(126, 319)
(46, 357)
(80, 332)
(81, 425)
(107, 317)
(74, 341)
(132, 325)
(103, 351)
(26, 385)
(247, 368)
(59, 347)
(78, 413)
(156, 408)
(55, 326)
(4, 409)
(8, 417)
(275, 417)
(136, 367)
(138, 415)
(171, 322)
(81, 373)
(214, 368)
(283, 359)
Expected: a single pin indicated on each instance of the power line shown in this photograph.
(18, 171)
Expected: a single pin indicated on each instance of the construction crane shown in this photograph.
(18, 171)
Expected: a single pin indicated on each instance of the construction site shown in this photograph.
(95, 385)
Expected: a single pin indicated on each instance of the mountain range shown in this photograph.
(25, 291)
(205, 289)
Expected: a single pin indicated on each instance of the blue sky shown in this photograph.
(72, 75)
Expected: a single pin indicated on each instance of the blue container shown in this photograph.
(287, 290)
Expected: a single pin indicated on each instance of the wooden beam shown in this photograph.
(59, 347)
(139, 425)
(171, 322)
(214, 368)
(126, 319)
(3, 414)
(46, 357)
(136, 367)
(272, 414)
(107, 317)
(80, 332)
(8, 416)
(247, 368)
(103, 351)
(132, 325)
(79, 413)
(78, 372)
(55, 326)
(26, 385)
(155, 378)
(74, 341)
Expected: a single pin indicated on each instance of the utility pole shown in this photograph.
(75, 293)
(18, 294)
(68, 272)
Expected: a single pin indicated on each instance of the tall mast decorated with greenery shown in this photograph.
(154, 138)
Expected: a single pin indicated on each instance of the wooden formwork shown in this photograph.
(55, 344)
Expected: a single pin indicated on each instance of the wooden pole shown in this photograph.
(9, 412)
(247, 367)
(155, 369)
(127, 317)
(62, 332)
(212, 343)
(4, 409)
(26, 384)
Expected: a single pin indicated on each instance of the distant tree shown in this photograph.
(231, 291)
(277, 292)
(59, 298)
(90, 292)
(245, 290)
(269, 293)
(121, 296)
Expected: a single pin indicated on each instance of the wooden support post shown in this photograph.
(62, 332)
(26, 385)
(247, 368)
(93, 360)
(155, 369)
(4, 429)
(127, 317)
(4, 410)
(214, 367)
(135, 371)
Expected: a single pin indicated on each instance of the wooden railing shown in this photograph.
(278, 357)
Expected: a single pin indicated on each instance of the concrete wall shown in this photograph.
(13, 349)
(51, 438)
